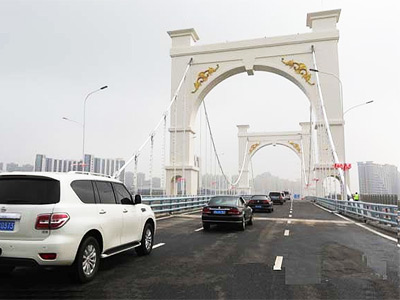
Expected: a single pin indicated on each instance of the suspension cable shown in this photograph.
(138, 152)
(163, 154)
(216, 154)
(325, 118)
(151, 165)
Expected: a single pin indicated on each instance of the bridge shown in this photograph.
(322, 246)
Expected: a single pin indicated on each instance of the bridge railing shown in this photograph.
(175, 204)
(382, 213)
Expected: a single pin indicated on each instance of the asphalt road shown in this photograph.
(323, 257)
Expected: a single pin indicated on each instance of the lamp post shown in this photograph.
(84, 123)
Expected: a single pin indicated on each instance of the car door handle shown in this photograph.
(102, 212)
(125, 210)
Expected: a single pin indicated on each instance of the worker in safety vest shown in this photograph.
(356, 197)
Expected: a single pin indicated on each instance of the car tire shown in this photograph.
(6, 270)
(206, 226)
(87, 260)
(147, 241)
(242, 225)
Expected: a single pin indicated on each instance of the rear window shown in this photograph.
(223, 201)
(261, 197)
(275, 194)
(29, 190)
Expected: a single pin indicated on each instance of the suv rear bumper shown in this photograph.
(22, 252)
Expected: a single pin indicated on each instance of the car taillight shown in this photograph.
(206, 210)
(251, 201)
(265, 201)
(51, 221)
(48, 256)
(233, 211)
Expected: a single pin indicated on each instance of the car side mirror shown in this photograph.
(126, 201)
(138, 199)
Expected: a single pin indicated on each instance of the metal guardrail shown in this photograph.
(174, 204)
(382, 213)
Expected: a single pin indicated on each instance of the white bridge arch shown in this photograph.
(251, 142)
(289, 56)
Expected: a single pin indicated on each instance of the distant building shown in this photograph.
(1, 167)
(106, 166)
(13, 167)
(378, 179)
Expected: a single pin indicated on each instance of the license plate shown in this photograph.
(219, 212)
(258, 206)
(7, 225)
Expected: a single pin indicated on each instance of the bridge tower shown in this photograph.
(289, 56)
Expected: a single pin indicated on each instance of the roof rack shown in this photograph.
(89, 173)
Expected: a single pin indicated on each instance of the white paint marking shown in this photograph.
(361, 225)
(199, 229)
(158, 245)
(286, 232)
(290, 216)
(278, 263)
(289, 222)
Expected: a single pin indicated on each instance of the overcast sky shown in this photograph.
(52, 53)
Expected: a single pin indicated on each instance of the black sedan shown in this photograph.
(227, 210)
(261, 203)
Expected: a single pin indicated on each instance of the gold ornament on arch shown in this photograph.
(300, 69)
(203, 76)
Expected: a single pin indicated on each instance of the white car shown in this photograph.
(69, 219)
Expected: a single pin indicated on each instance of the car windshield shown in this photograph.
(259, 197)
(223, 201)
(29, 190)
(286, 193)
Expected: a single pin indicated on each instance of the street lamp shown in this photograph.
(358, 105)
(83, 123)
(70, 120)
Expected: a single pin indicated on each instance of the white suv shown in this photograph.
(69, 219)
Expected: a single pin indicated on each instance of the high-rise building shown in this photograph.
(106, 166)
(378, 179)
(1, 167)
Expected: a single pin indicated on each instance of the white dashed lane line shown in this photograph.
(199, 229)
(289, 222)
(286, 233)
(158, 245)
(278, 263)
(290, 216)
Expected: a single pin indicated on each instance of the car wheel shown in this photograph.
(206, 226)
(147, 240)
(87, 260)
(6, 270)
(250, 222)
(242, 225)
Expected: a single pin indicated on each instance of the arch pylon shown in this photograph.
(297, 141)
(289, 56)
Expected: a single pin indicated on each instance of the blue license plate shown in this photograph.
(258, 206)
(7, 225)
(219, 212)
